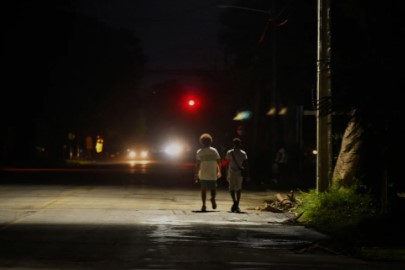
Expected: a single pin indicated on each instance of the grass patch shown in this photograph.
(336, 212)
(351, 216)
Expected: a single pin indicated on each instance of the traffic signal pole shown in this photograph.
(324, 92)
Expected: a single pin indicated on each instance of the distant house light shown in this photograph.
(272, 111)
(283, 111)
(99, 144)
(243, 115)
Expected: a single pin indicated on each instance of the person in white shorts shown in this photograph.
(236, 160)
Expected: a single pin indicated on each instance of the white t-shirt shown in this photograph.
(208, 158)
(240, 157)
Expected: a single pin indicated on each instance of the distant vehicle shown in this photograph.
(138, 153)
(164, 150)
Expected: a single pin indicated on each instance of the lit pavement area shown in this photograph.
(41, 204)
(112, 227)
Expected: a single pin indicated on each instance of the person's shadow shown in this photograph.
(207, 211)
(216, 211)
(241, 212)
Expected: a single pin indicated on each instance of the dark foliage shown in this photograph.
(368, 58)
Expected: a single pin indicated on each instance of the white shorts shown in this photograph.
(235, 181)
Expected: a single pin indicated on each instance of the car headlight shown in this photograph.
(138, 154)
(144, 154)
(173, 149)
(132, 154)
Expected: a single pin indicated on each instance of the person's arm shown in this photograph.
(197, 169)
(218, 169)
(227, 160)
(225, 163)
(246, 166)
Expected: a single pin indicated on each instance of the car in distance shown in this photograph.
(140, 152)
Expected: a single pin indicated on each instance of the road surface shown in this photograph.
(117, 219)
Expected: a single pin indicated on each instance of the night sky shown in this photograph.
(174, 33)
(179, 34)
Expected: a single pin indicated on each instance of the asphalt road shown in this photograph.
(120, 217)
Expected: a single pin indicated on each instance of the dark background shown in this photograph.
(122, 69)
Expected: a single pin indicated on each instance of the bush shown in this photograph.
(337, 211)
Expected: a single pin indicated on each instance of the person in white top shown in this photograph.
(208, 169)
(236, 162)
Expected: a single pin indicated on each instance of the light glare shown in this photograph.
(173, 149)
(132, 154)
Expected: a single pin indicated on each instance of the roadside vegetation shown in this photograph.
(336, 211)
(353, 217)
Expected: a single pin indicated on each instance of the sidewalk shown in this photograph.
(29, 204)
(79, 218)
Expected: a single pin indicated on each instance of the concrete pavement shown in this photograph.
(103, 204)
(141, 227)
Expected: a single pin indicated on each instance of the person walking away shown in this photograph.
(237, 161)
(208, 170)
(280, 164)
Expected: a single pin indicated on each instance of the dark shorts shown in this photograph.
(211, 184)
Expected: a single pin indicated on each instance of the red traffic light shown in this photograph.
(192, 102)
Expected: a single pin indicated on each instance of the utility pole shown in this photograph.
(324, 91)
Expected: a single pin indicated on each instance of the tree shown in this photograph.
(368, 38)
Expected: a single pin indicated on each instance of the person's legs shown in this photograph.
(213, 195)
(238, 195)
(233, 196)
(203, 197)
(235, 188)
